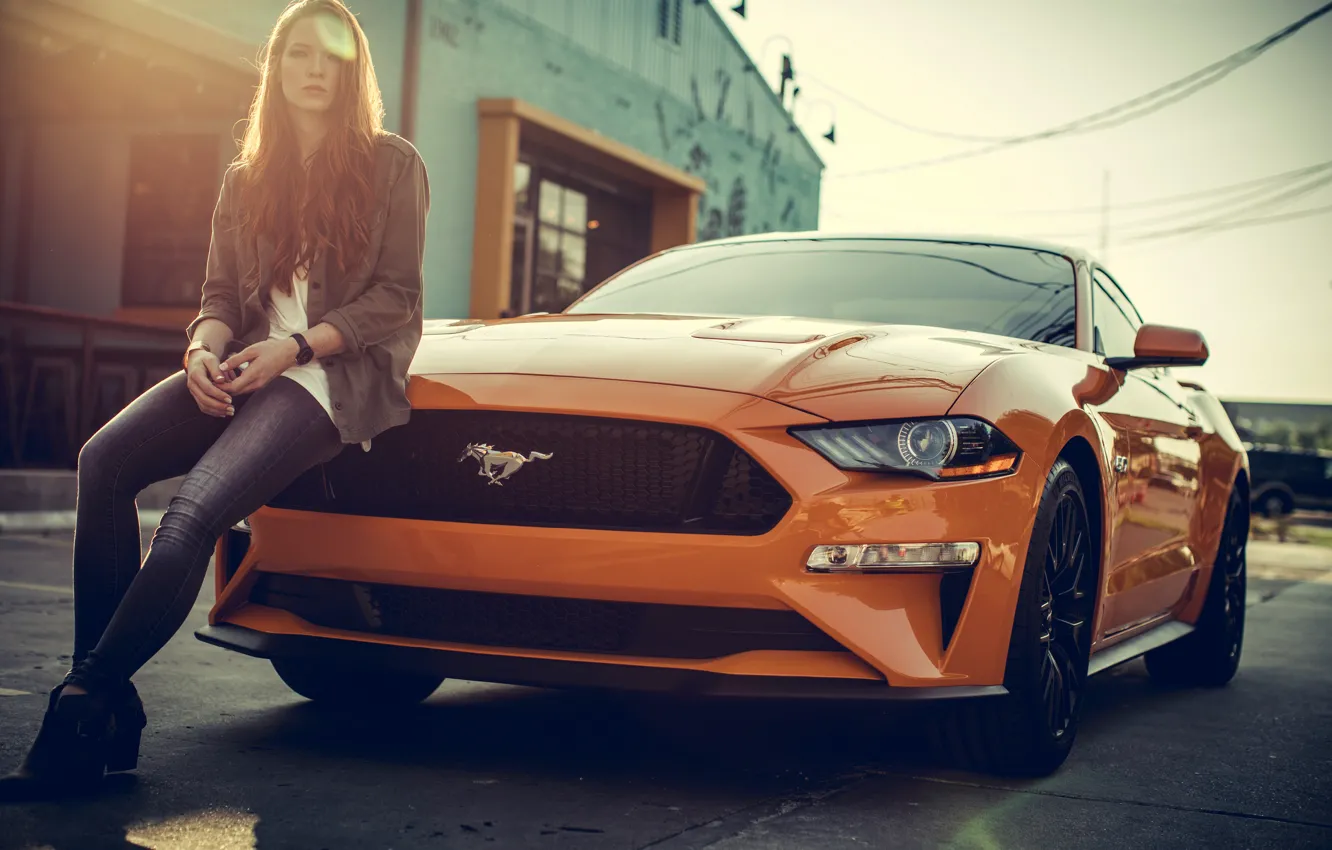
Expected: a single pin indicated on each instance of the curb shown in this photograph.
(47, 522)
(30, 491)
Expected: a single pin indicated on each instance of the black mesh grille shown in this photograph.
(603, 473)
(747, 494)
(539, 622)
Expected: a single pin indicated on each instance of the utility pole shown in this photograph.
(1105, 213)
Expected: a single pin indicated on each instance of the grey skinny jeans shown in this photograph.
(124, 610)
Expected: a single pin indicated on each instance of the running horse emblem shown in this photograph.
(498, 465)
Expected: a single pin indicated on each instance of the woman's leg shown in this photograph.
(161, 434)
(278, 433)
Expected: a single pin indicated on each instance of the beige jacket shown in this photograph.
(376, 307)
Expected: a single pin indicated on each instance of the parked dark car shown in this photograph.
(1285, 479)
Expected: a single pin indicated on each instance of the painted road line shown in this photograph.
(64, 591)
(35, 522)
(39, 588)
(10, 692)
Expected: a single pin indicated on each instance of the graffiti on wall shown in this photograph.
(725, 206)
(717, 132)
(450, 32)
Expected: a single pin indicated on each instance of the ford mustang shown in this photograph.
(881, 467)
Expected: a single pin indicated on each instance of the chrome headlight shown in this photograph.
(951, 448)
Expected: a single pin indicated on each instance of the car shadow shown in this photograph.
(263, 767)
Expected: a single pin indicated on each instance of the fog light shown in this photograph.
(866, 557)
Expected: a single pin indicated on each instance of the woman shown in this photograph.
(314, 282)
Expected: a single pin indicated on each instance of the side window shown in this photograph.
(1120, 297)
(1115, 331)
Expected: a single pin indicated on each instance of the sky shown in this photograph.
(1261, 295)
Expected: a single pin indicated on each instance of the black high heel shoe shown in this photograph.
(71, 751)
(129, 720)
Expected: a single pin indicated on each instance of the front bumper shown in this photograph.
(899, 632)
(556, 673)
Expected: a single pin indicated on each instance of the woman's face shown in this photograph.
(309, 71)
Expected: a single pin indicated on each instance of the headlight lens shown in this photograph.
(952, 448)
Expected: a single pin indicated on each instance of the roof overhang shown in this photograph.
(136, 28)
(579, 142)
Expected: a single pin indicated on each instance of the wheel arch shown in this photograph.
(1080, 455)
(1086, 464)
(1242, 484)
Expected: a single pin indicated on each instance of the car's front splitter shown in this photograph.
(561, 673)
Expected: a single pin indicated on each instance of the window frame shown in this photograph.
(1135, 321)
(670, 22)
(188, 244)
(1122, 295)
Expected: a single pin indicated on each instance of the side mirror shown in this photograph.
(1162, 345)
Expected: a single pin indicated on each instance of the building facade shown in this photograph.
(564, 139)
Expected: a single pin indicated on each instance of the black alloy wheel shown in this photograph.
(1232, 560)
(1065, 603)
(1030, 730)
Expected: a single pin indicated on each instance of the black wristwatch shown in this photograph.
(306, 353)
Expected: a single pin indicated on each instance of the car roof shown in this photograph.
(1070, 251)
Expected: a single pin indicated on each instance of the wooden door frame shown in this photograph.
(502, 123)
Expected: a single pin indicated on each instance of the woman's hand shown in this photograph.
(266, 360)
(202, 376)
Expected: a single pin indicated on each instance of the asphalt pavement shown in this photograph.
(232, 759)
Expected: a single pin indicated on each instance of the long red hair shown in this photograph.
(325, 208)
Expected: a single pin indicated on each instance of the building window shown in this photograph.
(174, 181)
(670, 19)
(561, 250)
(571, 230)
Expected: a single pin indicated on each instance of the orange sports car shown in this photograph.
(788, 465)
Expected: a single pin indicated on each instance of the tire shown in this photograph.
(1210, 654)
(344, 686)
(1030, 730)
(1275, 504)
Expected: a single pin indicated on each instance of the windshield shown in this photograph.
(1016, 292)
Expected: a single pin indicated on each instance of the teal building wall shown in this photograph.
(691, 99)
(698, 105)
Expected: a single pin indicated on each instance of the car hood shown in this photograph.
(823, 367)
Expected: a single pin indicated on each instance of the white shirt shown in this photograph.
(286, 316)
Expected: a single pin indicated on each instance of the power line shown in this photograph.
(1168, 200)
(1197, 228)
(1230, 225)
(1254, 200)
(1187, 221)
(1219, 222)
(1256, 188)
(896, 122)
(1129, 110)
